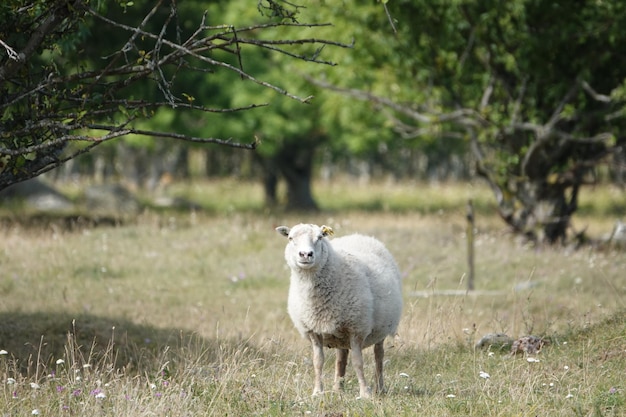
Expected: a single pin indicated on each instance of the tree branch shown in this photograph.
(53, 105)
(464, 117)
(10, 51)
(595, 95)
(50, 23)
(193, 53)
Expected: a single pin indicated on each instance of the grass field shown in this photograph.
(184, 314)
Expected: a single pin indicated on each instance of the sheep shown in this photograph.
(344, 294)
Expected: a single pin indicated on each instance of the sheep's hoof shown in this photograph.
(366, 393)
(317, 393)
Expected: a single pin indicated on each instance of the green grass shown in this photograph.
(185, 314)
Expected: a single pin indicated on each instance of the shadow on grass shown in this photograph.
(34, 342)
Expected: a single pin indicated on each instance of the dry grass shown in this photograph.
(186, 315)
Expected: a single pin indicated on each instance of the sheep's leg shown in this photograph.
(379, 353)
(318, 361)
(356, 345)
(340, 368)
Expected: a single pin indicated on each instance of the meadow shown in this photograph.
(184, 313)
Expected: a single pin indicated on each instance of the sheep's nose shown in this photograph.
(306, 255)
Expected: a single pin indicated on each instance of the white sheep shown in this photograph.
(344, 294)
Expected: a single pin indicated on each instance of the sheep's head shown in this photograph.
(306, 249)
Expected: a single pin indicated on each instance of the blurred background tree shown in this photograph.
(527, 94)
(534, 89)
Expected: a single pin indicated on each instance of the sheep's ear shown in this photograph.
(283, 230)
(327, 231)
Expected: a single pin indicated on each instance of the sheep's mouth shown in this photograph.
(305, 264)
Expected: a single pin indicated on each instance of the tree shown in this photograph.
(292, 136)
(290, 133)
(536, 89)
(61, 97)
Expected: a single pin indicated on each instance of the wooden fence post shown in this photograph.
(470, 244)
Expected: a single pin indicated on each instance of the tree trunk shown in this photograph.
(299, 196)
(548, 210)
(294, 163)
(539, 211)
(270, 186)
(537, 186)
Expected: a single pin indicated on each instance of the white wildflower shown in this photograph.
(34, 385)
(570, 395)
(450, 396)
(484, 375)
(100, 395)
(532, 360)
(153, 386)
(35, 412)
(566, 368)
(60, 361)
(490, 354)
(403, 375)
(3, 352)
(11, 381)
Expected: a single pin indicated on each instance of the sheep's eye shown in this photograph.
(320, 237)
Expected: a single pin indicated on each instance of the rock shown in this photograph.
(497, 341)
(110, 199)
(35, 194)
(618, 235)
(529, 345)
(175, 203)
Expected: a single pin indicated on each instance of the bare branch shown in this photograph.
(314, 58)
(193, 53)
(462, 117)
(43, 112)
(484, 101)
(10, 51)
(389, 18)
(115, 132)
(556, 115)
(517, 104)
(367, 96)
(595, 95)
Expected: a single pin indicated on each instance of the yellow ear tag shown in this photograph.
(327, 231)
